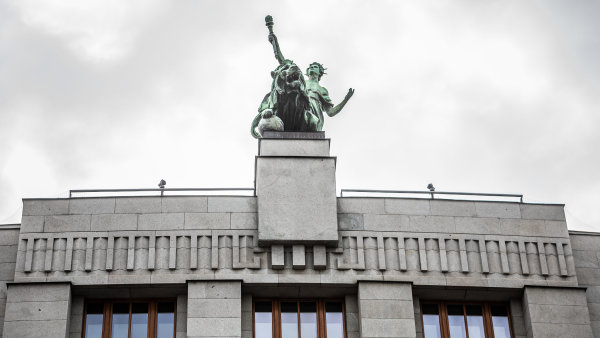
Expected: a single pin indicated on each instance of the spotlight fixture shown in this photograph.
(162, 184)
(430, 187)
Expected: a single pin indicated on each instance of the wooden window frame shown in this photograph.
(320, 309)
(486, 308)
(152, 314)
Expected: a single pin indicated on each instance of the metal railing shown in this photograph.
(430, 193)
(161, 190)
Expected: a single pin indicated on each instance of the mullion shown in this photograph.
(298, 316)
(488, 323)
(444, 319)
(152, 319)
(464, 306)
(108, 320)
(321, 319)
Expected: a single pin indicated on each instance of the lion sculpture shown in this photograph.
(294, 104)
(287, 107)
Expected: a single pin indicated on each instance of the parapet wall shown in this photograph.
(172, 239)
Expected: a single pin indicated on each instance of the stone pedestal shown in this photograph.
(295, 189)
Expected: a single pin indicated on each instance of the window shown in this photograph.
(129, 319)
(465, 320)
(299, 319)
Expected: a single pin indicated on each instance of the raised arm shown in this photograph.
(335, 110)
(273, 40)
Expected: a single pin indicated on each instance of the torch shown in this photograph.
(273, 39)
(269, 23)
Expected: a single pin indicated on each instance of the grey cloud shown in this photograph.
(436, 97)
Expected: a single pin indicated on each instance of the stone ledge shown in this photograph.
(293, 135)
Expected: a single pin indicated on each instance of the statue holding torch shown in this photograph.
(294, 104)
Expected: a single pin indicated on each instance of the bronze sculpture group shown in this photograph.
(294, 104)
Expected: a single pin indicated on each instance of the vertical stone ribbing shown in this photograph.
(381, 253)
(443, 256)
(542, 255)
(48, 257)
(401, 254)
(110, 251)
(485, 267)
(422, 254)
(172, 252)
(523, 256)
(503, 257)
(464, 260)
(214, 252)
(298, 257)
(69, 254)
(89, 252)
(277, 257)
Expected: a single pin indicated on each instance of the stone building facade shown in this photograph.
(294, 260)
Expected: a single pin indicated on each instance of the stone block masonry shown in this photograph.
(214, 309)
(138, 214)
(386, 310)
(9, 238)
(586, 256)
(38, 310)
(556, 312)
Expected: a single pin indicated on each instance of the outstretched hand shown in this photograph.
(349, 95)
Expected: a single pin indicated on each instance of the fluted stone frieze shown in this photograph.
(177, 256)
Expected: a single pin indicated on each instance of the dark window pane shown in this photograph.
(334, 319)
(139, 320)
(456, 321)
(289, 319)
(166, 307)
(308, 320)
(455, 310)
(333, 307)
(263, 320)
(120, 320)
(474, 310)
(499, 311)
(165, 320)
(431, 321)
(430, 309)
(475, 321)
(263, 307)
(308, 307)
(93, 320)
(500, 322)
(289, 307)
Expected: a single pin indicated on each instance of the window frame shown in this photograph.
(107, 313)
(486, 314)
(320, 309)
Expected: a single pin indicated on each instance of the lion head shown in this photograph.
(288, 78)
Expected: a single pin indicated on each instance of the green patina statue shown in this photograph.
(294, 104)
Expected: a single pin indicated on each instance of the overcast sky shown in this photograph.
(477, 96)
